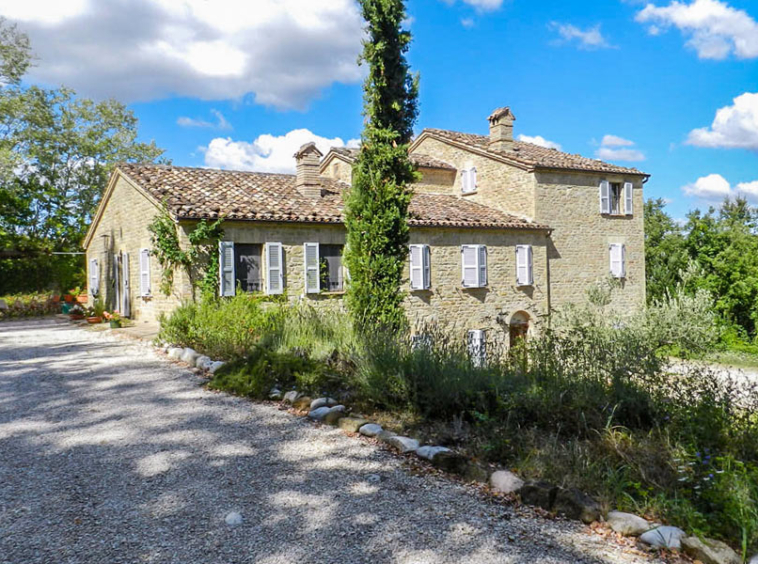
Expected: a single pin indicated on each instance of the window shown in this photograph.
(331, 268)
(274, 268)
(468, 180)
(614, 196)
(144, 272)
(247, 267)
(477, 349)
(618, 260)
(421, 273)
(94, 277)
(474, 266)
(524, 265)
(421, 341)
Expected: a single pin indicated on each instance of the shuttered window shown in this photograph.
(477, 348)
(144, 272)
(474, 266)
(226, 268)
(94, 277)
(605, 197)
(274, 268)
(628, 198)
(468, 180)
(312, 268)
(421, 273)
(247, 267)
(330, 267)
(524, 265)
(618, 260)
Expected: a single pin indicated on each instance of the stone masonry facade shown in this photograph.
(546, 199)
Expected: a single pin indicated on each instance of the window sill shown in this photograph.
(327, 294)
(475, 287)
(469, 193)
(617, 215)
(420, 290)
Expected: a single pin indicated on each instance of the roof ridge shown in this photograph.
(204, 169)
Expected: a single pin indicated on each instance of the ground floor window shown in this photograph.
(247, 262)
(330, 258)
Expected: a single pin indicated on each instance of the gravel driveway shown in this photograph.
(111, 454)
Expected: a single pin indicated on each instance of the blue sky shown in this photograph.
(241, 83)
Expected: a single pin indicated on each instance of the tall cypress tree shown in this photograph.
(377, 202)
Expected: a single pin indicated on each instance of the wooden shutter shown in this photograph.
(524, 265)
(472, 180)
(127, 309)
(482, 265)
(417, 267)
(628, 198)
(312, 268)
(469, 266)
(605, 197)
(94, 278)
(618, 256)
(274, 268)
(427, 256)
(476, 347)
(227, 285)
(144, 272)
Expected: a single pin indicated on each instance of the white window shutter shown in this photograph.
(312, 268)
(94, 278)
(417, 267)
(469, 266)
(144, 272)
(227, 286)
(427, 256)
(618, 255)
(472, 180)
(274, 268)
(605, 197)
(477, 347)
(628, 198)
(524, 265)
(482, 264)
(126, 281)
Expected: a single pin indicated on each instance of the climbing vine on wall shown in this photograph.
(199, 260)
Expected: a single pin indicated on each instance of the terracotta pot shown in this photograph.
(68, 298)
(56, 299)
(75, 316)
(82, 298)
(94, 319)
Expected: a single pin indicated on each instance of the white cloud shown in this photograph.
(221, 121)
(615, 148)
(615, 141)
(468, 23)
(591, 38)
(715, 187)
(282, 52)
(539, 140)
(734, 127)
(714, 28)
(267, 153)
(480, 5)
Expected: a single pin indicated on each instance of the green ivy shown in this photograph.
(376, 211)
(199, 260)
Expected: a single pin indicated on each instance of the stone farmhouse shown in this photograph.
(502, 232)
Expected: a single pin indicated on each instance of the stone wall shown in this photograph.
(123, 228)
(499, 185)
(579, 256)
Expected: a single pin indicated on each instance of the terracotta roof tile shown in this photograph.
(196, 193)
(533, 155)
(424, 161)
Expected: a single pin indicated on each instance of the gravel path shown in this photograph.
(111, 454)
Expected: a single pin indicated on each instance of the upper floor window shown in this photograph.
(524, 265)
(474, 266)
(468, 180)
(616, 198)
(618, 260)
(421, 271)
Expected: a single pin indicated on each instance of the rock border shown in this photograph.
(570, 503)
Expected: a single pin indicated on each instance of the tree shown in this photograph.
(665, 253)
(377, 203)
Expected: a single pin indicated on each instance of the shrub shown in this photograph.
(29, 305)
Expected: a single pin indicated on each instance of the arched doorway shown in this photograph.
(518, 329)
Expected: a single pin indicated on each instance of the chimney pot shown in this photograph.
(308, 158)
(501, 130)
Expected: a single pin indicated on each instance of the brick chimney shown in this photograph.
(501, 129)
(308, 159)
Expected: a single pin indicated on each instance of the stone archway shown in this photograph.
(518, 328)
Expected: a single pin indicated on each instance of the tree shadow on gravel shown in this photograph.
(110, 454)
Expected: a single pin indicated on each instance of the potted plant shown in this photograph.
(114, 319)
(96, 312)
(76, 312)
